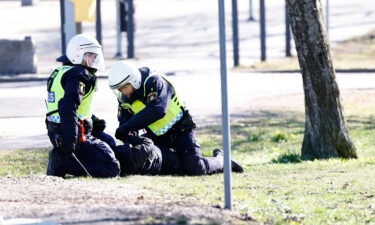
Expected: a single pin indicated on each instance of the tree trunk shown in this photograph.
(326, 133)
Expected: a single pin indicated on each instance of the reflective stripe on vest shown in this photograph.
(56, 92)
(161, 126)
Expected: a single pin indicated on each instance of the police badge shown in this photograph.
(151, 96)
(81, 88)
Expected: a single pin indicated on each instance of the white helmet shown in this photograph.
(122, 73)
(81, 44)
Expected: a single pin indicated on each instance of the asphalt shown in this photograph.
(175, 37)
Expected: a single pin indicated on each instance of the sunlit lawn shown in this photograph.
(277, 186)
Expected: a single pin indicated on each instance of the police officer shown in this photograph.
(149, 101)
(71, 88)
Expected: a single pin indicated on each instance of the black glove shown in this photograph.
(98, 125)
(67, 148)
(137, 140)
(122, 133)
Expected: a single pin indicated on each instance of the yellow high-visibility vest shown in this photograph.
(56, 92)
(161, 126)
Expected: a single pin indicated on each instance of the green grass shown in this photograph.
(355, 53)
(23, 162)
(277, 187)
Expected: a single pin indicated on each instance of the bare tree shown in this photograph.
(326, 134)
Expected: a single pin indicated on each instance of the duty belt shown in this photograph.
(53, 127)
(56, 118)
(56, 127)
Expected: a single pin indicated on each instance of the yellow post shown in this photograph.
(84, 10)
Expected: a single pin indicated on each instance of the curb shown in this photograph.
(33, 77)
(13, 79)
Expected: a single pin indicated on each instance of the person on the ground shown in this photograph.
(71, 88)
(139, 155)
(147, 100)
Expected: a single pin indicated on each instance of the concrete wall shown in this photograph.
(17, 56)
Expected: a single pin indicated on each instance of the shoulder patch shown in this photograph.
(81, 87)
(151, 96)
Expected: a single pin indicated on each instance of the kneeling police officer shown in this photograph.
(71, 88)
(147, 100)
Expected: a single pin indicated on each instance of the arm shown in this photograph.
(123, 115)
(68, 106)
(158, 94)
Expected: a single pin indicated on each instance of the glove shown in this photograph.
(122, 133)
(136, 140)
(67, 148)
(98, 124)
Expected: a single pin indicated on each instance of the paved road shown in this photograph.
(177, 37)
(23, 108)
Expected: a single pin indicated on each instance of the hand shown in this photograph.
(134, 140)
(67, 148)
(121, 133)
(98, 125)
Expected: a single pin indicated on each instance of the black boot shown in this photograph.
(55, 167)
(236, 167)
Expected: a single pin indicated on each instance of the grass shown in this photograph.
(23, 162)
(353, 54)
(278, 187)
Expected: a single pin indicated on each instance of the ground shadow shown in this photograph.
(288, 158)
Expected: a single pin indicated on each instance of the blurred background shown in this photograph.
(178, 36)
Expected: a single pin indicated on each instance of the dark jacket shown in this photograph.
(156, 96)
(139, 155)
(69, 104)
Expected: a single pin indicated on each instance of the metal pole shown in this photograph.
(262, 31)
(62, 18)
(224, 109)
(82, 166)
(69, 21)
(327, 15)
(251, 18)
(235, 33)
(118, 29)
(78, 27)
(287, 33)
(98, 22)
(130, 30)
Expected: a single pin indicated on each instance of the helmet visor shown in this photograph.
(94, 58)
(120, 96)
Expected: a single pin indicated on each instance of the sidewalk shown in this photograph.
(176, 37)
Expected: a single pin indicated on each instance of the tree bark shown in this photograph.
(326, 134)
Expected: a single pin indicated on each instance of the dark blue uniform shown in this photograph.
(139, 155)
(96, 155)
(181, 137)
